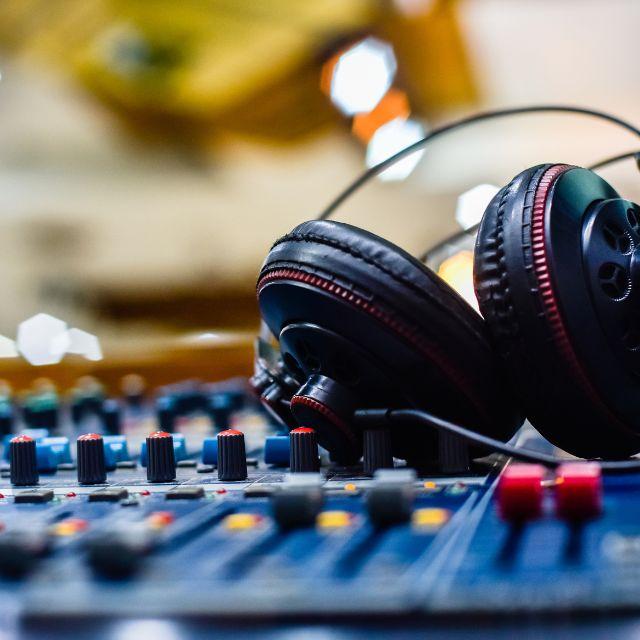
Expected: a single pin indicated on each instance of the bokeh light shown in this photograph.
(472, 204)
(457, 272)
(391, 138)
(362, 76)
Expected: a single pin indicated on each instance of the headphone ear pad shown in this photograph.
(533, 292)
(338, 297)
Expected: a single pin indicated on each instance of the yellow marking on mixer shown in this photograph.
(430, 518)
(242, 521)
(334, 519)
(69, 527)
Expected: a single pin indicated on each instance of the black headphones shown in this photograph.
(371, 338)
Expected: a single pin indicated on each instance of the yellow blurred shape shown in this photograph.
(457, 272)
(394, 104)
(69, 527)
(350, 486)
(242, 521)
(429, 485)
(430, 518)
(334, 519)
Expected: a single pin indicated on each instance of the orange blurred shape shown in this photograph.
(326, 74)
(395, 104)
(160, 519)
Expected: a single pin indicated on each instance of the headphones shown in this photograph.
(370, 338)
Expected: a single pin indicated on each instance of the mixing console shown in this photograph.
(191, 504)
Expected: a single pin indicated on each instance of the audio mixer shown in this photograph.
(189, 510)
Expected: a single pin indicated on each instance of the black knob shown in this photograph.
(6, 419)
(22, 457)
(377, 450)
(90, 459)
(161, 459)
(303, 456)
(232, 458)
(328, 406)
(111, 417)
(166, 414)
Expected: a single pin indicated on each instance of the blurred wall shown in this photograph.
(87, 211)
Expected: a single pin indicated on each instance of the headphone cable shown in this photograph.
(370, 173)
(380, 417)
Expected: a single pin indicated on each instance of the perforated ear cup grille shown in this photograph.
(517, 299)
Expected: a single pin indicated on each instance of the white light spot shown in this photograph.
(84, 343)
(362, 76)
(7, 348)
(391, 138)
(472, 204)
(42, 339)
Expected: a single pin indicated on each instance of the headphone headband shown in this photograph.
(464, 122)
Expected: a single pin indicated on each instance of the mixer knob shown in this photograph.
(161, 460)
(303, 456)
(232, 458)
(377, 450)
(220, 407)
(111, 417)
(6, 418)
(90, 459)
(22, 457)
(166, 413)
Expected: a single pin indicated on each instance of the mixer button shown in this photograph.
(390, 500)
(520, 492)
(90, 459)
(161, 459)
(185, 493)
(23, 461)
(232, 457)
(298, 503)
(303, 457)
(33, 496)
(578, 490)
(110, 494)
(20, 548)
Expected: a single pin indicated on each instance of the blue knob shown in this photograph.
(210, 451)
(276, 450)
(115, 450)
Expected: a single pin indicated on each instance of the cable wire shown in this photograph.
(380, 417)
(459, 124)
(458, 235)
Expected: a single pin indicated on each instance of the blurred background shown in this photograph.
(152, 150)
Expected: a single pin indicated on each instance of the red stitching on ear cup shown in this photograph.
(543, 277)
(431, 351)
(380, 280)
(556, 397)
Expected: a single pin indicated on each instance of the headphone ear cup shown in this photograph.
(351, 307)
(533, 291)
